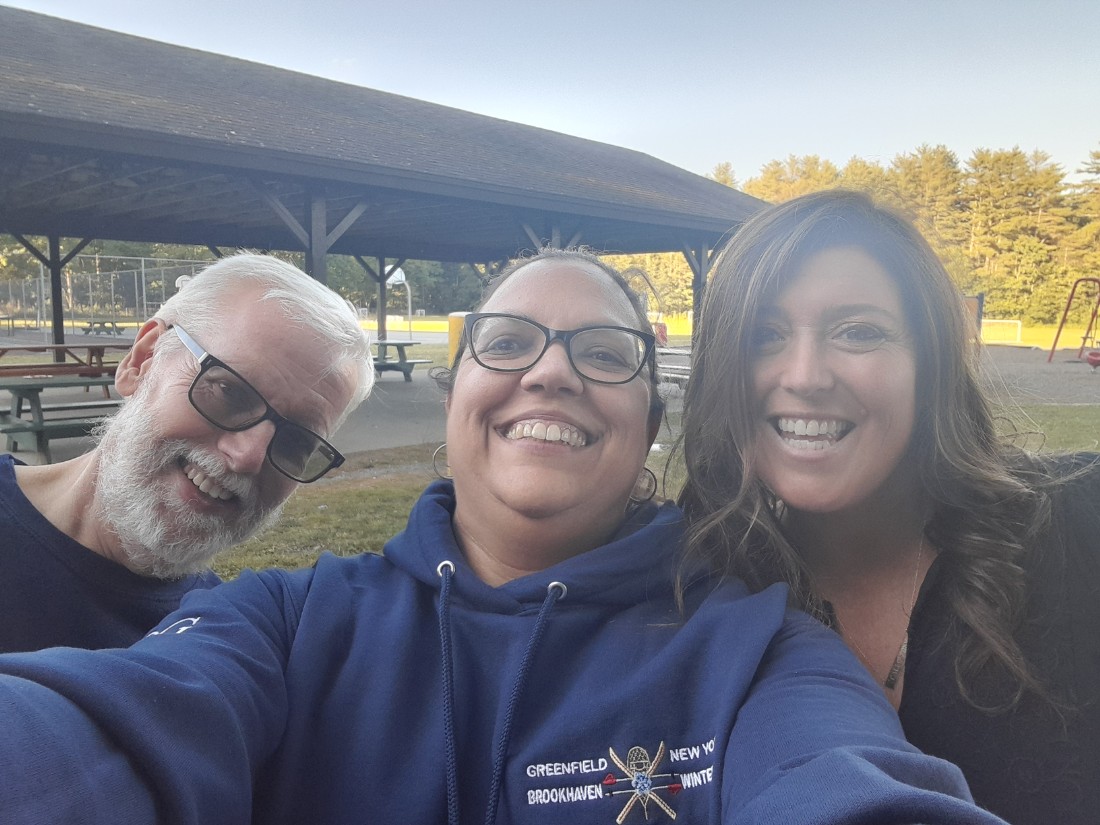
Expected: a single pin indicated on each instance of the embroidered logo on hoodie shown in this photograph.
(637, 787)
(641, 780)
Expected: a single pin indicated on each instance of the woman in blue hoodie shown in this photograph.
(521, 653)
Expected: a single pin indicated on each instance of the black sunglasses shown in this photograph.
(224, 398)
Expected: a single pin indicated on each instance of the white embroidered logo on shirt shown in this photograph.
(177, 627)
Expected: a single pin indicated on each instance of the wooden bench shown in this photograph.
(404, 367)
(42, 432)
(673, 373)
(88, 370)
(60, 370)
(70, 406)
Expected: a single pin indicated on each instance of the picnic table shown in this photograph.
(673, 365)
(101, 328)
(402, 363)
(86, 360)
(26, 417)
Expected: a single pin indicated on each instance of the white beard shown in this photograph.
(159, 534)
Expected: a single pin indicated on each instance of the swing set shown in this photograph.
(1093, 358)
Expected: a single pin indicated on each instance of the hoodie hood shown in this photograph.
(638, 563)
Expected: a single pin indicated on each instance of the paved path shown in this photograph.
(397, 413)
(1022, 375)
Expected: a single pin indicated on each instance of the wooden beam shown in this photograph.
(366, 266)
(532, 235)
(30, 247)
(346, 223)
(283, 213)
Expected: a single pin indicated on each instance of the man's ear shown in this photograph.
(139, 360)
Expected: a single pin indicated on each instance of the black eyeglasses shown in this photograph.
(604, 354)
(222, 396)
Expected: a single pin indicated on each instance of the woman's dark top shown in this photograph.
(1036, 764)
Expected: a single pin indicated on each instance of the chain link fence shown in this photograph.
(97, 288)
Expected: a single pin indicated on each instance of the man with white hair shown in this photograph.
(232, 390)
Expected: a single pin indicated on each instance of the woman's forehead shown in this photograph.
(544, 285)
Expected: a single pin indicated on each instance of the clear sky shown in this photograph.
(696, 82)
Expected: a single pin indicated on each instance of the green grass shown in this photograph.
(1053, 427)
(353, 510)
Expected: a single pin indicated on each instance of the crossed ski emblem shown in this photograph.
(640, 771)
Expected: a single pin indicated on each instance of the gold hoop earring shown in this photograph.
(645, 487)
(442, 448)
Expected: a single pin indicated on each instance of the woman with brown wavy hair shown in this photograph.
(836, 438)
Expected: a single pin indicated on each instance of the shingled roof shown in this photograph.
(112, 136)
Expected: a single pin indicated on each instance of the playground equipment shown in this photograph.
(1089, 330)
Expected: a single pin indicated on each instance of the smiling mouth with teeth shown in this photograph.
(811, 433)
(543, 431)
(206, 485)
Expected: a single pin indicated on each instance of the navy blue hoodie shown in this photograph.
(393, 690)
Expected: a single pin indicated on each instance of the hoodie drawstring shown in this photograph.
(554, 592)
(446, 570)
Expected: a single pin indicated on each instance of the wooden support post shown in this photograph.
(554, 242)
(316, 260)
(54, 262)
(57, 316)
(317, 240)
(380, 276)
(699, 258)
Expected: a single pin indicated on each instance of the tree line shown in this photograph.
(1006, 223)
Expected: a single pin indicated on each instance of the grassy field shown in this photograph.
(1054, 427)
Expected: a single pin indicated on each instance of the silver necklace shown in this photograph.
(891, 680)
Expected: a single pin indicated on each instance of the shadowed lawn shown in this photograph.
(355, 509)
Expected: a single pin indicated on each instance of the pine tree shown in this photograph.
(781, 181)
(723, 173)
